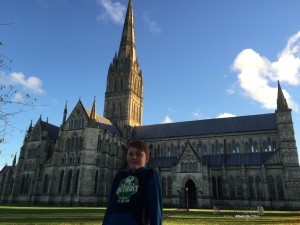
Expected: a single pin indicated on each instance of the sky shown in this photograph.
(200, 59)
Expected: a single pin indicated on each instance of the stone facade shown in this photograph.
(245, 161)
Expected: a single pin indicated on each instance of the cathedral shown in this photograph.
(244, 161)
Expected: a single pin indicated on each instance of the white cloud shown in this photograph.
(230, 91)
(114, 12)
(152, 24)
(257, 72)
(167, 120)
(32, 84)
(197, 114)
(225, 115)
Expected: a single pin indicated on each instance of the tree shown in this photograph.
(3, 58)
(11, 103)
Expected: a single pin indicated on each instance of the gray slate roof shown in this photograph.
(5, 169)
(263, 122)
(52, 130)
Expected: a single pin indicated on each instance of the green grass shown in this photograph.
(94, 215)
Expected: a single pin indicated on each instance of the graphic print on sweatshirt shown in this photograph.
(127, 187)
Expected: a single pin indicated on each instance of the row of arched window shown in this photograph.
(136, 112)
(74, 143)
(72, 160)
(217, 147)
(65, 184)
(77, 124)
(25, 184)
(255, 188)
(28, 166)
(137, 86)
(188, 166)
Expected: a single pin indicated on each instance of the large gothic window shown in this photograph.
(61, 179)
(76, 182)
(69, 182)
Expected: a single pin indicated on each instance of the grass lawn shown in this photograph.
(94, 215)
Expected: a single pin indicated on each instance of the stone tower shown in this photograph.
(286, 131)
(124, 88)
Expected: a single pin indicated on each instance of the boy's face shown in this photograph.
(136, 158)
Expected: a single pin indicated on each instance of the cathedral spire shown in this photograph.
(65, 113)
(15, 160)
(281, 101)
(93, 112)
(124, 88)
(127, 44)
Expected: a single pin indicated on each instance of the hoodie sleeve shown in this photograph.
(108, 209)
(154, 200)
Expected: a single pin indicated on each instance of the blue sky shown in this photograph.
(200, 59)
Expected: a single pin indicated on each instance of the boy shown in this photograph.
(135, 195)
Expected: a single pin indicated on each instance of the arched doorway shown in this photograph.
(190, 194)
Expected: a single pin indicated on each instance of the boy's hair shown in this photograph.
(140, 145)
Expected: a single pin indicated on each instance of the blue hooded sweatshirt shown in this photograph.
(135, 199)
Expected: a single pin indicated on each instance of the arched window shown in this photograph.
(272, 187)
(96, 183)
(27, 184)
(69, 182)
(63, 160)
(22, 184)
(61, 179)
(231, 188)
(11, 186)
(220, 189)
(239, 187)
(76, 144)
(274, 146)
(46, 182)
(214, 186)
(76, 182)
(99, 144)
(280, 188)
(251, 187)
(258, 187)
(72, 143)
(213, 149)
(269, 144)
(80, 143)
